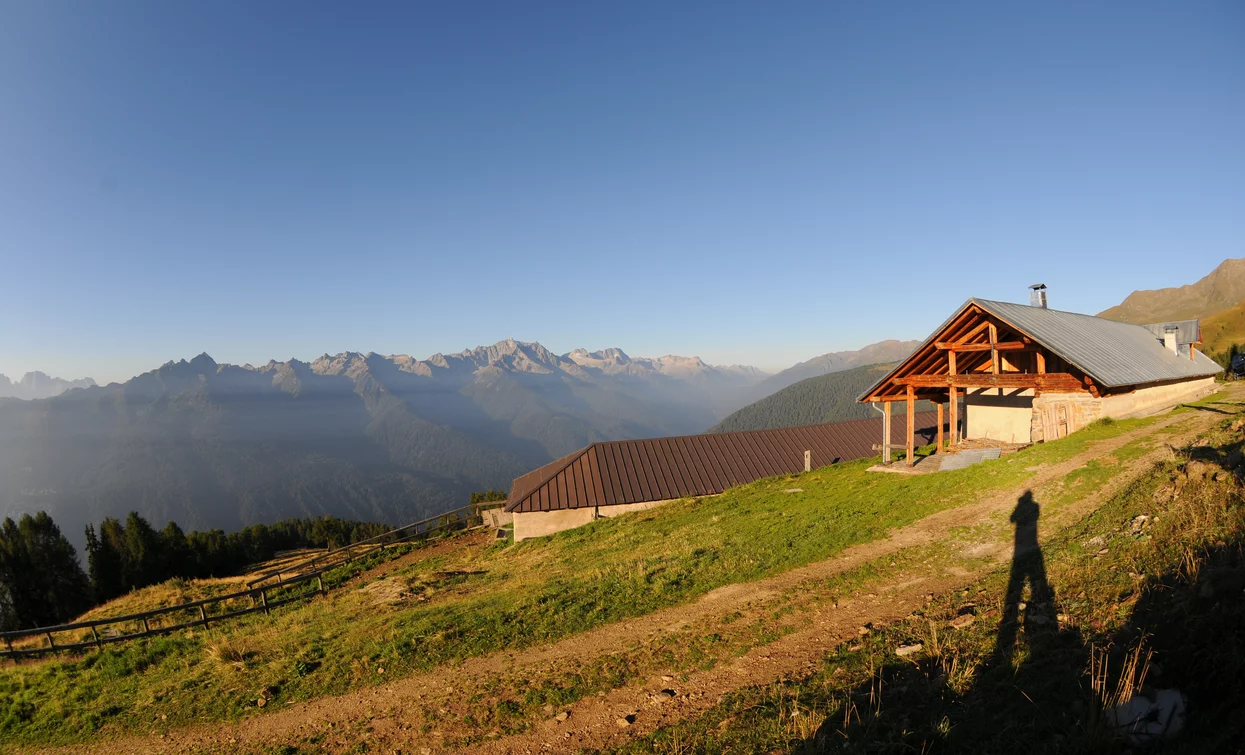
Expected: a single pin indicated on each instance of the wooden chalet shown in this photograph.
(1024, 373)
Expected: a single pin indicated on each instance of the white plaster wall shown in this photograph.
(1157, 397)
(998, 414)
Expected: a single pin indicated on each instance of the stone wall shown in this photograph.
(1055, 415)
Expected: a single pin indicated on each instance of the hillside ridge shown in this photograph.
(1221, 289)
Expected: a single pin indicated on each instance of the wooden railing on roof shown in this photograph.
(282, 582)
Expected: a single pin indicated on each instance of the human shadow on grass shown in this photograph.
(1024, 696)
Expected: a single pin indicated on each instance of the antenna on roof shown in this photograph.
(1037, 295)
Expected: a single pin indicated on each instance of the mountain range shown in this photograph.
(360, 436)
(37, 385)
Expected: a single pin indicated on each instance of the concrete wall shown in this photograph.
(609, 511)
(538, 523)
(998, 414)
(541, 523)
(1156, 397)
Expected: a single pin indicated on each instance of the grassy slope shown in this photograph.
(529, 594)
(1223, 329)
(1170, 586)
(825, 398)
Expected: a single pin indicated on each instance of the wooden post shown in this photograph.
(955, 417)
(994, 353)
(886, 432)
(911, 426)
(1041, 363)
(203, 615)
(955, 404)
(320, 583)
(938, 448)
(96, 636)
(146, 626)
(263, 599)
(51, 642)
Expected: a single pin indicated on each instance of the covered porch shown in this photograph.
(977, 359)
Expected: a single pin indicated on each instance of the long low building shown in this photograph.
(611, 478)
(1025, 373)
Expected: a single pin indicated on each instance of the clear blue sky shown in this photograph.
(758, 183)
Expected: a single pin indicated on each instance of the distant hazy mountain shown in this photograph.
(35, 385)
(825, 398)
(835, 361)
(1222, 289)
(361, 436)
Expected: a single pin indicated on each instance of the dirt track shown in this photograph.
(390, 717)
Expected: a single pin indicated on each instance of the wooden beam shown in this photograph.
(1041, 363)
(1052, 381)
(911, 426)
(938, 447)
(1000, 346)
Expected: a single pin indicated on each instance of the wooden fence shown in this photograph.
(286, 585)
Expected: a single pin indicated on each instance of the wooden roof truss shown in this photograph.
(979, 350)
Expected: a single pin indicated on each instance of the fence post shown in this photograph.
(203, 615)
(51, 642)
(146, 626)
(96, 636)
(263, 599)
(320, 583)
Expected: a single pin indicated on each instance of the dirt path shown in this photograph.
(390, 717)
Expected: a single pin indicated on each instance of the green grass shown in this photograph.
(1171, 587)
(514, 596)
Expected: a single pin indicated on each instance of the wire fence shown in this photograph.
(263, 593)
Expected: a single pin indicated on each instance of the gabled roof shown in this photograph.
(1114, 354)
(1187, 331)
(659, 469)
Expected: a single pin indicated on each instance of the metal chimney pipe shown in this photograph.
(1037, 295)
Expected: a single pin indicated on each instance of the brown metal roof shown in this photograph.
(658, 469)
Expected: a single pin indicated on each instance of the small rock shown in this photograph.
(380, 670)
(1064, 618)
(864, 630)
(903, 651)
(963, 621)
(562, 716)
(854, 648)
(548, 708)
(794, 490)
(625, 721)
(261, 702)
(667, 678)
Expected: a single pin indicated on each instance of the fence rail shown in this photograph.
(114, 629)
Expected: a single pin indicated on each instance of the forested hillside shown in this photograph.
(827, 398)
